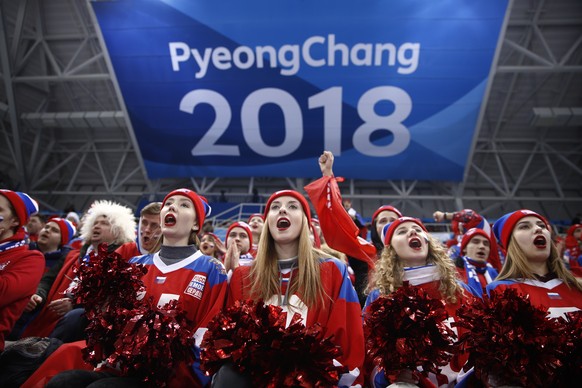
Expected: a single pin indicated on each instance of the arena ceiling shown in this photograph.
(66, 140)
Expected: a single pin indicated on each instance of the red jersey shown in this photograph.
(129, 250)
(339, 315)
(199, 283)
(553, 294)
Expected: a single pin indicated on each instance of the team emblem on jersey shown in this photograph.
(196, 286)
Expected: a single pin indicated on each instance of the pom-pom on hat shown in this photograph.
(201, 205)
(22, 203)
(290, 193)
(386, 208)
(504, 225)
(73, 217)
(472, 233)
(243, 225)
(389, 228)
(67, 228)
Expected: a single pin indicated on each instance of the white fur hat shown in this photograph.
(121, 218)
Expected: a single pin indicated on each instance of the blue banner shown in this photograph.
(231, 88)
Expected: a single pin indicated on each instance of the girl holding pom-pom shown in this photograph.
(289, 272)
(413, 256)
(532, 287)
(177, 272)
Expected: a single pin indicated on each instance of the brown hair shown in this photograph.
(516, 265)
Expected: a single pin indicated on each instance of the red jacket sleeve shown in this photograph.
(340, 231)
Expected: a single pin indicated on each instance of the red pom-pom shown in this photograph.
(510, 341)
(253, 337)
(107, 279)
(406, 330)
(572, 360)
(107, 288)
(153, 342)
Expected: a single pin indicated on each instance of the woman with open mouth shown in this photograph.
(211, 245)
(256, 223)
(290, 272)
(412, 255)
(177, 271)
(533, 265)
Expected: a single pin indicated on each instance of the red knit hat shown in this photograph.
(472, 233)
(504, 225)
(386, 208)
(255, 215)
(572, 228)
(22, 203)
(66, 227)
(200, 203)
(389, 229)
(240, 224)
(290, 193)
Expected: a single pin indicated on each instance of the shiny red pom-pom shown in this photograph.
(407, 330)
(255, 339)
(107, 288)
(153, 341)
(510, 341)
(572, 368)
(107, 279)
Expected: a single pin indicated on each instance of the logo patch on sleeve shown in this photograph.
(196, 286)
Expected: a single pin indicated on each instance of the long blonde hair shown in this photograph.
(264, 273)
(516, 266)
(389, 271)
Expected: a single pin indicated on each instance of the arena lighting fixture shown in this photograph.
(106, 119)
(556, 117)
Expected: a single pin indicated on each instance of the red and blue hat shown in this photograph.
(255, 215)
(201, 205)
(240, 224)
(504, 225)
(24, 206)
(389, 228)
(290, 193)
(67, 228)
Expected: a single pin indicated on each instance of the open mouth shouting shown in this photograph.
(540, 242)
(283, 223)
(169, 220)
(415, 243)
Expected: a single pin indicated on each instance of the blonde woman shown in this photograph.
(289, 272)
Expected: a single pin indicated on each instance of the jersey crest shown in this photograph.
(196, 286)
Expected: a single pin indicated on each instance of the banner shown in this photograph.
(260, 88)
